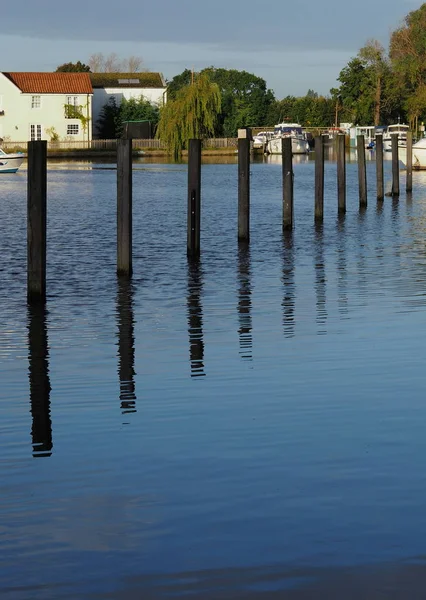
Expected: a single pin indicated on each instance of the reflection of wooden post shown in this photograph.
(319, 178)
(124, 207)
(38, 355)
(126, 346)
(379, 168)
(195, 320)
(362, 170)
(194, 198)
(341, 173)
(288, 303)
(409, 182)
(320, 281)
(244, 302)
(395, 165)
(287, 164)
(244, 189)
(36, 220)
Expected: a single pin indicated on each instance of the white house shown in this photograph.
(151, 86)
(45, 106)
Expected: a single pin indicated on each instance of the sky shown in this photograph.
(294, 46)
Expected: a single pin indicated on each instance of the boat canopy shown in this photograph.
(288, 128)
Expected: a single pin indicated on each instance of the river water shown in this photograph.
(250, 426)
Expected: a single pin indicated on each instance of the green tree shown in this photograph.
(112, 117)
(70, 67)
(109, 123)
(245, 99)
(191, 114)
(137, 109)
(408, 56)
(310, 111)
(177, 83)
(376, 65)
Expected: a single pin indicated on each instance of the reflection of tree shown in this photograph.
(320, 280)
(244, 301)
(195, 319)
(288, 302)
(126, 345)
(38, 357)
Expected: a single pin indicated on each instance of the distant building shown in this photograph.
(45, 106)
(151, 86)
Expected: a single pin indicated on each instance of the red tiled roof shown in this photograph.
(52, 83)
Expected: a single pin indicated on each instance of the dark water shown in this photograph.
(251, 426)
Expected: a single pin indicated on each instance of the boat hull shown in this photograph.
(419, 155)
(298, 146)
(10, 163)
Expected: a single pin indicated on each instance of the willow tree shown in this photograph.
(192, 113)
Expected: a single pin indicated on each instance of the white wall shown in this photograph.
(101, 96)
(18, 117)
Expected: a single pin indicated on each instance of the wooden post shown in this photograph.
(395, 165)
(36, 221)
(409, 182)
(287, 166)
(341, 173)
(379, 168)
(194, 197)
(319, 178)
(244, 189)
(362, 172)
(124, 207)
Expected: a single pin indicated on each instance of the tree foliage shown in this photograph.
(112, 117)
(245, 99)
(192, 113)
(311, 110)
(70, 67)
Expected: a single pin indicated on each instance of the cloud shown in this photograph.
(330, 24)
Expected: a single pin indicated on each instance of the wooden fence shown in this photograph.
(152, 144)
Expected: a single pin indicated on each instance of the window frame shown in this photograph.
(36, 105)
(71, 126)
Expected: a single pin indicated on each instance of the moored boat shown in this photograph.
(419, 155)
(10, 163)
(401, 129)
(299, 142)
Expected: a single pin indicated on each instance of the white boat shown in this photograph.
(369, 133)
(10, 163)
(419, 155)
(299, 142)
(261, 138)
(401, 130)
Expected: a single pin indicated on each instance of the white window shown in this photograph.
(72, 107)
(35, 132)
(35, 101)
(72, 129)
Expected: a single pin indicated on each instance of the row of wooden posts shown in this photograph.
(37, 196)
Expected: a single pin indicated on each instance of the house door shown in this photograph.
(35, 132)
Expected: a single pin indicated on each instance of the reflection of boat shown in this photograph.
(10, 163)
(419, 154)
(299, 142)
(276, 159)
(401, 130)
